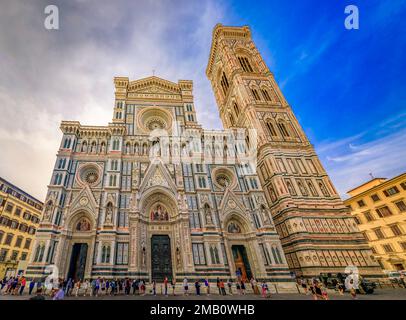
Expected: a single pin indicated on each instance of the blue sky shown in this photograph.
(347, 88)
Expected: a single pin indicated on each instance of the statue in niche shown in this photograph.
(83, 225)
(159, 214)
(207, 214)
(48, 211)
(233, 228)
(144, 258)
(109, 213)
(178, 261)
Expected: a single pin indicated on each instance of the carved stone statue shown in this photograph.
(109, 214)
(144, 257)
(178, 258)
(48, 211)
(207, 214)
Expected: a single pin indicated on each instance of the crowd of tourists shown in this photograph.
(61, 288)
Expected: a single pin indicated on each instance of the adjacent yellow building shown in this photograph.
(20, 215)
(379, 207)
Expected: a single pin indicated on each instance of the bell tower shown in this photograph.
(318, 234)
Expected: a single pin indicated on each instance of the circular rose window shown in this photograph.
(224, 178)
(89, 174)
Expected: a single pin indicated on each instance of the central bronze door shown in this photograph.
(78, 262)
(161, 262)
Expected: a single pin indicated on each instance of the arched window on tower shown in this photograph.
(283, 129)
(231, 120)
(271, 128)
(266, 95)
(255, 94)
(245, 64)
(224, 83)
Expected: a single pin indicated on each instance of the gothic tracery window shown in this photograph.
(224, 83)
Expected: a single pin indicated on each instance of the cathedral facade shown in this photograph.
(153, 194)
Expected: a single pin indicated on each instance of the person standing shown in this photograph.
(222, 288)
(197, 286)
(264, 288)
(207, 285)
(254, 285)
(77, 288)
(154, 287)
(85, 287)
(60, 294)
(31, 286)
(173, 283)
(230, 286)
(23, 283)
(166, 286)
(242, 286)
(185, 287)
(218, 285)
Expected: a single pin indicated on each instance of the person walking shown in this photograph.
(197, 286)
(254, 285)
(31, 286)
(154, 287)
(207, 285)
(60, 294)
(242, 287)
(264, 288)
(77, 288)
(185, 287)
(230, 286)
(222, 288)
(85, 287)
(218, 285)
(238, 286)
(142, 287)
(22, 286)
(173, 283)
(97, 287)
(166, 286)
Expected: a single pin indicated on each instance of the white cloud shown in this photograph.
(49, 76)
(350, 161)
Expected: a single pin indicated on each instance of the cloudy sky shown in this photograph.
(347, 88)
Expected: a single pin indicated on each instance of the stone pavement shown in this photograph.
(379, 294)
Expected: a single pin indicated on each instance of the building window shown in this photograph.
(8, 240)
(245, 64)
(3, 255)
(224, 83)
(357, 220)
(271, 128)
(255, 94)
(375, 198)
(396, 230)
(401, 206)
(369, 216)
(283, 129)
(199, 256)
(202, 182)
(253, 183)
(391, 191)
(17, 212)
(194, 220)
(403, 245)
(27, 243)
(105, 258)
(9, 207)
(373, 249)
(19, 240)
(265, 254)
(14, 255)
(266, 94)
(23, 256)
(122, 253)
(383, 212)
(379, 234)
(276, 255)
(387, 247)
(403, 185)
(361, 203)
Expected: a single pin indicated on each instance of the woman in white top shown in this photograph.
(185, 286)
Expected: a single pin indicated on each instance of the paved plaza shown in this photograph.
(379, 294)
